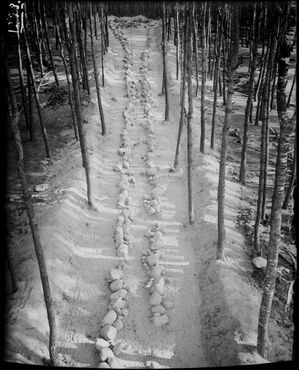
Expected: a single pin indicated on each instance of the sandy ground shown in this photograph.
(214, 319)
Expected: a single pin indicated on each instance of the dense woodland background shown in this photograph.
(241, 47)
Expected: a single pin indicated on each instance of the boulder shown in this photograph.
(160, 320)
(109, 318)
(109, 332)
(116, 285)
(101, 343)
(155, 299)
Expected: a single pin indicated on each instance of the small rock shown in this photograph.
(160, 320)
(116, 273)
(259, 262)
(101, 343)
(116, 285)
(158, 309)
(117, 304)
(108, 332)
(153, 258)
(115, 363)
(148, 233)
(103, 365)
(117, 167)
(168, 304)
(151, 171)
(156, 271)
(155, 299)
(109, 318)
(122, 251)
(125, 312)
(117, 349)
(159, 286)
(41, 187)
(157, 235)
(106, 353)
(118, 294)
(121, 151)
(118, 324)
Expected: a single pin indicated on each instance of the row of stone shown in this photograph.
(118, 307)
(151, 256)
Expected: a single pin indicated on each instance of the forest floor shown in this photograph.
(216, 305)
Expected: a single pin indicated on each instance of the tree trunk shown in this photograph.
(182, 102)
(38, 41)
(44, 23)
(30, 102)
(164, 65)
(286, 128)
(233, 59)
(82, 138)
(189, 124)
(292, 178)
(177, 42)
(71, 98)
(85, 81)
(39, 110)
(203, 79)
(102, 52)
(291, 91)
(265, 97)
(14, 119)
(217, 69)
(96, 75)
(19, 24)
(242, 175)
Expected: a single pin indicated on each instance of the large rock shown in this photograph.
(106, 353)
(116, 285)
(108, 332)
(160, 320)
(155, 299)
(117, 304)
(109, 318)
(101, 343)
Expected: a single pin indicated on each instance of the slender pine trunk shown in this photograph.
(203, 79)
(96, 75)
(233, 58)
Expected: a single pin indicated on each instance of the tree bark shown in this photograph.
(233, 59)
(286, 128)
(291, 91)
(96, 75)
(85, 81)
(177, 41)
(292, 179)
